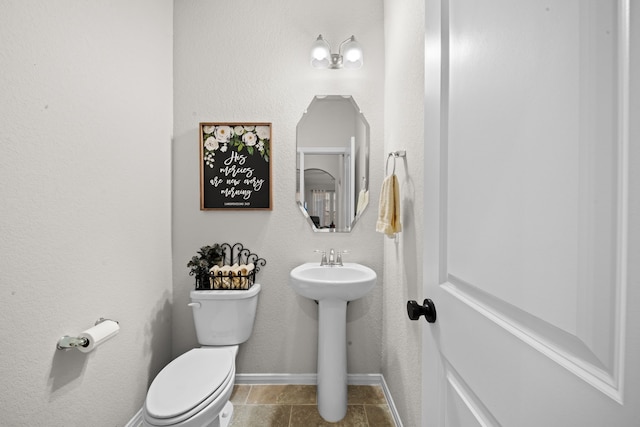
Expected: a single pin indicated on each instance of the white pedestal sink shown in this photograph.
(332, 287)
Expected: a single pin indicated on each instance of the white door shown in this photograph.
(532, 207)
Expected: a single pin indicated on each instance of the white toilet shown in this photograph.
(194, 389)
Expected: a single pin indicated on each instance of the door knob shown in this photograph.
(428, 309)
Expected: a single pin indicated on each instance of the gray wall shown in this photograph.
(404, 121)
(248, 61)
(85, 133)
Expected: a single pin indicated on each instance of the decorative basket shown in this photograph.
(237, 272)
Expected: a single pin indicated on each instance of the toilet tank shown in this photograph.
(224, 317)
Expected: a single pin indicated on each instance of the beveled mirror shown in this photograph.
(332, 163)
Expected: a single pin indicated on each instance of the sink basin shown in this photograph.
(348, 282)
(332, 288)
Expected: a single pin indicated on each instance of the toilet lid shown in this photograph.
(188, 381)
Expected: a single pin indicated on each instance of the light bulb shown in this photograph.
(320, 53)
(352, 54)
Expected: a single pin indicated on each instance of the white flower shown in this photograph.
(239, 130)
(262, 132)
(260, 146)
(223, 148)
(208, 129)
(211, 144)
(223, 133)
(210, 159)
(249, 139)
(249, 128)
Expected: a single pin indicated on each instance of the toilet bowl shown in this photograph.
(194, 389)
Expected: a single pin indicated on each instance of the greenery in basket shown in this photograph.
(207, 257)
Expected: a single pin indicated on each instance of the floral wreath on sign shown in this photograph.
(253, 139)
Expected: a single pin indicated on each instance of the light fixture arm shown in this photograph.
(350, 39)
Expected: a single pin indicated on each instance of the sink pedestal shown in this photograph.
(332, 287)
(332, 359)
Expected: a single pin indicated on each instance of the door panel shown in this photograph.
(527, 192)
(463, 407)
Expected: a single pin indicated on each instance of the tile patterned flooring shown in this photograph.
(295, 406)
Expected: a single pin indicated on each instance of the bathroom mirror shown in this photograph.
(332, 163)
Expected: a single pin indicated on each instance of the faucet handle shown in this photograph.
(323, 260)
(339, 256)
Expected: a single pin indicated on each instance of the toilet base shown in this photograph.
(225, 417)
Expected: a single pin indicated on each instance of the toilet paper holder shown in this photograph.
(67, 342)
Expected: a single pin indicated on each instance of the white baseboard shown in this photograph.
(305, 379)
(390, 402)
(136, 421)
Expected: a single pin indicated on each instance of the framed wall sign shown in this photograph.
(235, 166)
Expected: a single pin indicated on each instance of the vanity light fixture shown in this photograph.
(349, 54)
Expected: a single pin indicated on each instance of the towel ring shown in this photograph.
(395, 155)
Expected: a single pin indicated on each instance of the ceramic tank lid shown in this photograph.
(230, 294)
(188, 381)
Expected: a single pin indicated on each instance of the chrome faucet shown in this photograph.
(335, 258)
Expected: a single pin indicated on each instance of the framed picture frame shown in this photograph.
(235, 166)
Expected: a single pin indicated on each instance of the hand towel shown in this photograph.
(363, 201)
(244, 279)
(215, 281)
(225, 272)
(235, 280)
(389, 209)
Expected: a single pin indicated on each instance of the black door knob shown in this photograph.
(428, 309)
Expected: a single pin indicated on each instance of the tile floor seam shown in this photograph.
(366, 417)
(248, 394)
